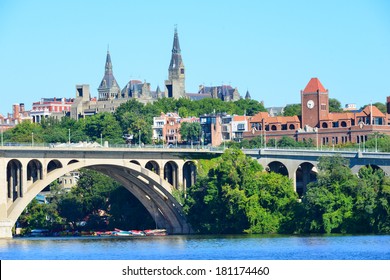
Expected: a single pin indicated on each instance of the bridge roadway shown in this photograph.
(151, 174)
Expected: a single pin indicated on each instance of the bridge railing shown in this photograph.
(179, 146)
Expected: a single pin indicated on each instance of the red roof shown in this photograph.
(367, 111)
(239, 118)
(314, 85)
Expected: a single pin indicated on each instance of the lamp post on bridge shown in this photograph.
(139, 138)
(32, 138)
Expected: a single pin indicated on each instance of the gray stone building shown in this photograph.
(110, 96)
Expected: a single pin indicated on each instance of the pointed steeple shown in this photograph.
(108, 69)
(176, 60)
(108, 88)
(176, 44)
(175, 85)
(247, 95)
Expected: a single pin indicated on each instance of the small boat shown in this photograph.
(119, 232)
(137, 232)
(155, 232)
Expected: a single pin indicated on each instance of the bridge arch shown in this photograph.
(135, 162)
(53, 164)
(277, 167)
(305, 173)
(171, 173)
(34, 170)
(153, 192)
(14, 179)
(189, 174)
(73, 161)
(153, 166)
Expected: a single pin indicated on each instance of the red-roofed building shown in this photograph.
(320, 125)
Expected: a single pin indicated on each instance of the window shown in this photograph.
(323, 106)
(241, 126)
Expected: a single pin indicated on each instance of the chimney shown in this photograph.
(15, 111)
(388, 104)
(22, 109)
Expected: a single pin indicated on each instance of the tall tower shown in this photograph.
(175, 85)
(109, 88)
(314, 103)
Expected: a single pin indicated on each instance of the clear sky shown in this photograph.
(271, 48)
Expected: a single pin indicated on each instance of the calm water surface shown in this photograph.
(199, 248)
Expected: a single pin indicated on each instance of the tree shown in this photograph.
(249, 107)
(72, 209)
(103, 125)
(378, 141)
(233, 195)
(334, 105)
(328, 203)
(190, 131)
(292, 110)
(26, 132)
(271, 204)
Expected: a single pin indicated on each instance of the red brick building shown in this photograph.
(318, 124)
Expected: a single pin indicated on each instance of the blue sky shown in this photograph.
(271, 48)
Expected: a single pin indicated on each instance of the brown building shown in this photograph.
(318, 124)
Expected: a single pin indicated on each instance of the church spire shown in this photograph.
(175, 85)
(108, 69)
(108, 88)
(176, 44)
(176, 59)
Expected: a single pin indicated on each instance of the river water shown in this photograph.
(194, 247)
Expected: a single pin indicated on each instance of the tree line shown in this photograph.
(233, 195)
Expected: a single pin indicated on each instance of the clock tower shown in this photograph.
(314, 103)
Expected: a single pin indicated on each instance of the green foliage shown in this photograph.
(334, 105)
(190, 131)
(234, 195)
(103, 125)
(25, 132)
(292, 110)
(379, 141)
(340, 202)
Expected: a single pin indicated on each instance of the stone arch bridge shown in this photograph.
(301, 165)
(149, 174)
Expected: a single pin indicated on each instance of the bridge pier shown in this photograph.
(6, 228)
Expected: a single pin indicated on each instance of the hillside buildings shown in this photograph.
(166, 128)
(18, 115)
(319, 125)
(50, 107)
(110, 96)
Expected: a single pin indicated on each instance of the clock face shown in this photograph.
(310, 104)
